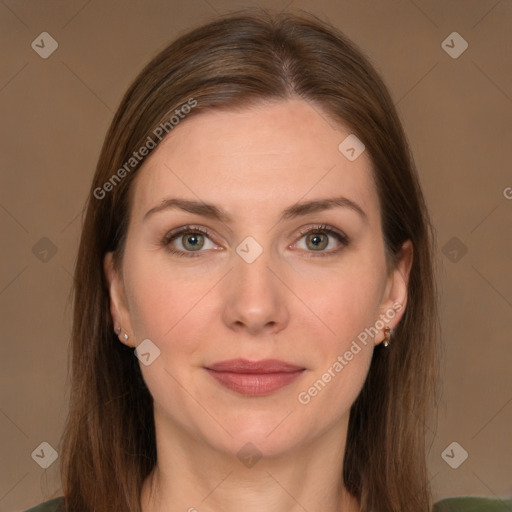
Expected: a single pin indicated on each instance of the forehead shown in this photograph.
(255, 161)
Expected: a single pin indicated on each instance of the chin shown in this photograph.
(258, 434)
(252, 447)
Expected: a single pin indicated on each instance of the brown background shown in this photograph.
(458, 117)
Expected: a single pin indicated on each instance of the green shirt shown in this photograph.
(473, 504)
(459, 504)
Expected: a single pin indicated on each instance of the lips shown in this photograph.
(263, 366)
(254, 377)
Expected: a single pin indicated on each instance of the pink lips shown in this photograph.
(254, 377)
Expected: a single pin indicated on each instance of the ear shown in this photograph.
(118, 308)
(394, 299)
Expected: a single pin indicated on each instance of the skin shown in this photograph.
(290, 304)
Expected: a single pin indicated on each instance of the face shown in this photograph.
(255, 277)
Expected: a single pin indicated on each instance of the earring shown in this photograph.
(387, 336)
(125, 336)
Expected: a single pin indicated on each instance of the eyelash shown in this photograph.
(189, 229)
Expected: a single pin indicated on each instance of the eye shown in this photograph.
(318, 238)
(187, 240)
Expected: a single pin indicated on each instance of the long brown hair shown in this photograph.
(108, 446)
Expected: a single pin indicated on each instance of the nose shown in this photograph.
(255, 300)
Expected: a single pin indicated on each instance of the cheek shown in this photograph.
(167, 305)
(347, 302)
(345, 298)
(343, 354)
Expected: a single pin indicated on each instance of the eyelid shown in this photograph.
(186, 229)
(323, 227)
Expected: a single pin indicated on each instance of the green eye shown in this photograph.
(317, 239)
(191, 239)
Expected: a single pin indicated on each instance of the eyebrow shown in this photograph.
(214, 212)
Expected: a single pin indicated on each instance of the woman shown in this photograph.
(257, 233)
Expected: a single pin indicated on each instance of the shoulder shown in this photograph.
(473, 504)
(54, 505)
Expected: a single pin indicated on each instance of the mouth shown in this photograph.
(254, 378)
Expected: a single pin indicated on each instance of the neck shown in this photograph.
(195, 477)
